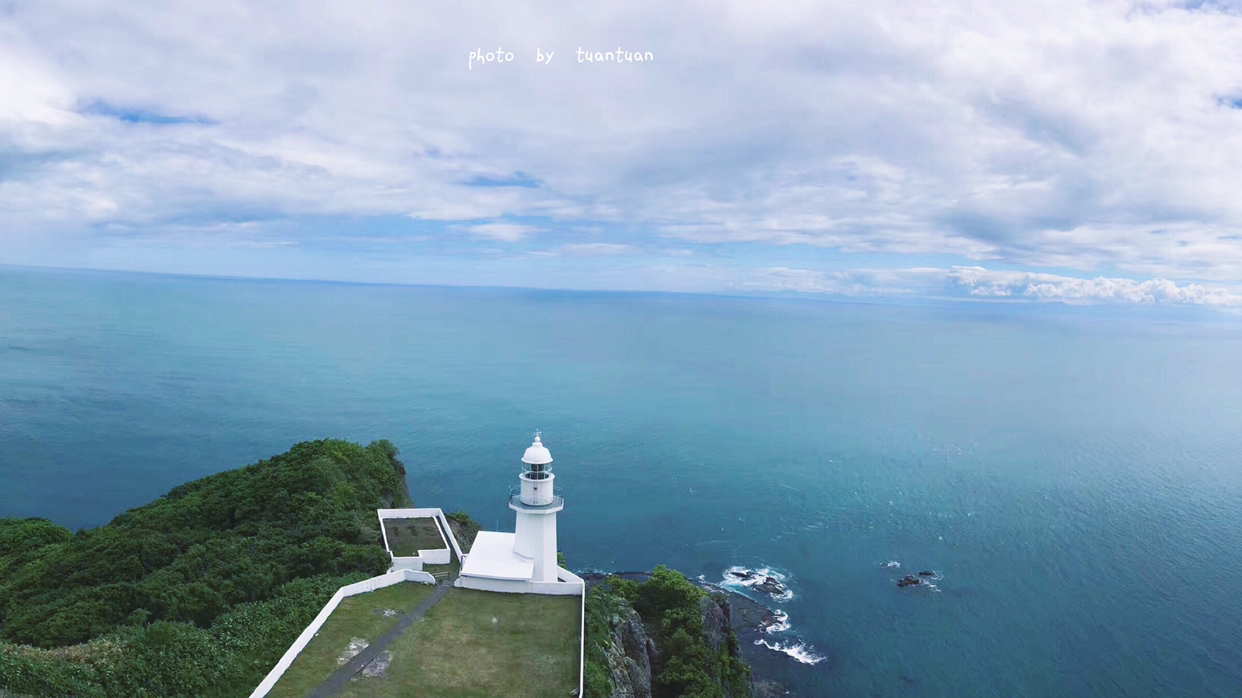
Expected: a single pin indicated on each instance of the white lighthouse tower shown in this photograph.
(536, 506)
(524, 561)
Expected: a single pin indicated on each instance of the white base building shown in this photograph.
(524, 561)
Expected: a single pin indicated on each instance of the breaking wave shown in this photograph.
(800, 651)
(780, 623)
(739, 577)
(749, 581)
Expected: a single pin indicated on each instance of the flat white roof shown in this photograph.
(492, 556)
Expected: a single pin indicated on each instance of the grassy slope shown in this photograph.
(199, 592)
(455, 651)
(356, 616)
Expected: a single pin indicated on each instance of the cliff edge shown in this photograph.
(660, 638)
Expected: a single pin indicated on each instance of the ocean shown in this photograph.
(1072, 476)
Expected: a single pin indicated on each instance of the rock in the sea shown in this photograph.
(746, 574)
(908, 581)
(927, 573)
(770, 585)
(769, 619)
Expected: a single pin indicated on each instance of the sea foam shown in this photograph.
(780, 623)
(757, 575)
(800, 651)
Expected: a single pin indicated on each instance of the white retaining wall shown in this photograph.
(366, 585)
(555, 588)
(582, 641)
(520, 586)
(424, 557)
(407, 563)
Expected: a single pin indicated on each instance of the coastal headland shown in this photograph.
(200, 592)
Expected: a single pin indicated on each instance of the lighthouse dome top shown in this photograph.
(537, 454)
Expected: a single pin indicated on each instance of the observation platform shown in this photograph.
(516, 504)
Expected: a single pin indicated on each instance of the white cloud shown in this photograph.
(1131, 291)
(852, 282)
(974, 281)
(1091, 136)
(502, 232)
(988, 283)
(594, 249)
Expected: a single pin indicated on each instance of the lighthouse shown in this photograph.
(536, 505)
(524, 561)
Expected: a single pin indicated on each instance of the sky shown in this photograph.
(1071, 151)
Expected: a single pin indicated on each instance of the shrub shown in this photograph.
(201, 591)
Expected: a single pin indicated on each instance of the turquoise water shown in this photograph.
(1073, 477)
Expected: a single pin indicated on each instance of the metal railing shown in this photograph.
(516, 501)
(516, 490)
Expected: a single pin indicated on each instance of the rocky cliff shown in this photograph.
(661, 638)
(629, 655)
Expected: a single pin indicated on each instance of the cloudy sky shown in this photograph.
(1059, 150)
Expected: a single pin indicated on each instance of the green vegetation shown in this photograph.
(408, 536)
(464, 529)
(672, 610)
(357, 616)
(456, 651)
(602, 605)
(201, 591)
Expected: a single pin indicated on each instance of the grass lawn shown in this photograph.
(408, 536)
(356, 616)
(455, 651)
